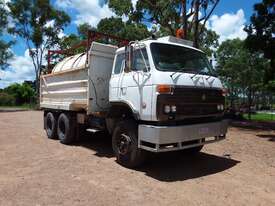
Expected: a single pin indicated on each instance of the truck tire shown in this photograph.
(66, 128)
(51, 125)
(125, 144)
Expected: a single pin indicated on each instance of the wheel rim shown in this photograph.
(123, 144)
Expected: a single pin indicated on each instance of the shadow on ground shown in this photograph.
(270, 137)
(179, 166)
(168, 167)
(100, 143)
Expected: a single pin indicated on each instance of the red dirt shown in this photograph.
(37, 171)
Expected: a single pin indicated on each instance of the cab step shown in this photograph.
(93, 130)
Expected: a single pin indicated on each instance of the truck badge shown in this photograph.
(203, 97)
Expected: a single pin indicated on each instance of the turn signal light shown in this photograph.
(164, 89)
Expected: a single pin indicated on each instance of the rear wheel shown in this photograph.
(66, 129)
(51, 125)
(125, 144)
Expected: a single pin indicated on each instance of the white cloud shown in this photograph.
(228, 25)
(88, 11)
(50, 24)
(10, 21)
(134, 3)
(5, 5)
(192, 16)
(21, 69)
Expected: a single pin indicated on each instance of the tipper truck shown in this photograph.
(154, 95)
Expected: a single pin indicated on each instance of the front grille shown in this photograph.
(198, 95)
(191, 102)
(196, 109)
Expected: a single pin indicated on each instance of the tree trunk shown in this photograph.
(272, 64)
(184, 19)
(196, 22)
(232, 97)
(249, 102)
(37, 89)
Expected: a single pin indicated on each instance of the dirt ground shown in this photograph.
(37, 171)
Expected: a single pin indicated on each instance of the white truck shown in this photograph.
(154, 95)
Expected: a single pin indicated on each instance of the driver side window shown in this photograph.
(138, 60)
(119, 63)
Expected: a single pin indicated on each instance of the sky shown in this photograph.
(228, 21)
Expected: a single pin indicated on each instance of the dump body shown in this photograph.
(78, 83)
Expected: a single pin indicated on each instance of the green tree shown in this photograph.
(5, 53)
(23, 93)
(39, 23)
(241, 70)
(6, 99)
(170, 14)
(83, 29)
(126, 30)
(261, 34)
(112, 25)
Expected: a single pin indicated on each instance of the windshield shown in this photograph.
(173, 58)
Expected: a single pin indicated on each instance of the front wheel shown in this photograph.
(125, 144)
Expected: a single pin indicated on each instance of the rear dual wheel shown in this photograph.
(66, 128)
(62, 127)
(51, 125)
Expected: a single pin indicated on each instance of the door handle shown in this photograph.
(123, 90)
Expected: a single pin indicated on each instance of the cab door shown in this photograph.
(116, 77)
(136, 85)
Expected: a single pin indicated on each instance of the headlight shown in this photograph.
(170, 109)
(220, 107)
(167, 109)
(174, 108)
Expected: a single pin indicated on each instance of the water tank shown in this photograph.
(74, 62)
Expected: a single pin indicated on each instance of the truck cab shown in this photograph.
(171, 91)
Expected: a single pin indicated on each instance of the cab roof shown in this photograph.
(166, 40)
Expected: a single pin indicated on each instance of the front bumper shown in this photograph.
(169, 138)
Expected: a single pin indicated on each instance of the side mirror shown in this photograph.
(128, 58)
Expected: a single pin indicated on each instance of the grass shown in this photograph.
(260, 117)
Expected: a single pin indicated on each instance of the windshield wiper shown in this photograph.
(196, 73)
(185, 71)
(202, 73)
(173, 74)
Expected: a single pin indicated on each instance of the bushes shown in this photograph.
(17, 94)
(23, 93)
(6, 99)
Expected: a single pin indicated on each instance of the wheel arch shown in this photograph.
(119, 111)
(122, 110)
